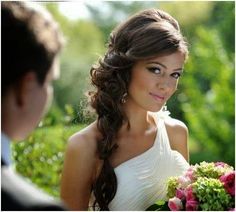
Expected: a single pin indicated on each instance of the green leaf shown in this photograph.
(160, 205)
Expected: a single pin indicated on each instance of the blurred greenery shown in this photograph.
(204, 100)
(41, 156)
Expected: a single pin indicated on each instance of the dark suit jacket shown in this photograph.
(19, 195)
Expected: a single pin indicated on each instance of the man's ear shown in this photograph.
(24, 88)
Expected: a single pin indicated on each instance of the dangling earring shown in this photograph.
(123, 99)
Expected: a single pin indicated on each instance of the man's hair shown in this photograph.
(30, 41)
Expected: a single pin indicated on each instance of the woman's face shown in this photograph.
(153, 81)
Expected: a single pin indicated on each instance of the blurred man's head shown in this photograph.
(30, 41)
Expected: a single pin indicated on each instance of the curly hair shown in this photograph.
(144, 35)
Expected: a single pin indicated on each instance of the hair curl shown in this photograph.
(146, 34)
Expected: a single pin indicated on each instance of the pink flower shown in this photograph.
(184, 181)
(190, 174)
(175, 204)
(220, 164)
(180, 194)
(191, 205)
(228, 180)
(189, 194)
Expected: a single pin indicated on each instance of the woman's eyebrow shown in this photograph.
(155, 62)
(158, 63)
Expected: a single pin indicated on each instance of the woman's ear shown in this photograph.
(24, 88)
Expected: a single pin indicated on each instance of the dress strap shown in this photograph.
(159, 118)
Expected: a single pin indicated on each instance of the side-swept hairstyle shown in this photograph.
(144, 35)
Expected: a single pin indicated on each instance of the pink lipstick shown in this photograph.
(157, 97)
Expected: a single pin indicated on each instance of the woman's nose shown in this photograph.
(163, 83)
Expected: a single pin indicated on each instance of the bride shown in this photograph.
(123, 159)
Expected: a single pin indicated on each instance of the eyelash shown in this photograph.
(153, 69)
(176, 75)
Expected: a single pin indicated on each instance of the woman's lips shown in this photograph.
(157, 97)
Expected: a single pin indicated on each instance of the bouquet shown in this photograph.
(204, 186)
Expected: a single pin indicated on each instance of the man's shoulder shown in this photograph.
(18, 194)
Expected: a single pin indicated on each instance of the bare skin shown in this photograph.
(151, 86)
(21, 111)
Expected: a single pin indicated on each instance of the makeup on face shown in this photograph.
(158, 68)
(154, 80)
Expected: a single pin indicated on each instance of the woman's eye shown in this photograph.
(154, 70)
(176, 75)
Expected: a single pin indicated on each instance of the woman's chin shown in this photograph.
(155, 109)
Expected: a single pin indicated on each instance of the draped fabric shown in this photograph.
(142, 179)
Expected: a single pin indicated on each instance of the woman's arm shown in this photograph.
(78, 172)
(178, 136)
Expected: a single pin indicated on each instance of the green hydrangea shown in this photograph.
(172, 186)
(210, 170)
(211, 194)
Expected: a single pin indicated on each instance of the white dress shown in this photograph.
(142, 179)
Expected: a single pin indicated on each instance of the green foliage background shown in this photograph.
(204, 101)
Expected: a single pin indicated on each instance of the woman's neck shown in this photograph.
(139, 120)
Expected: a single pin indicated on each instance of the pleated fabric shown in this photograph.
(142, 180)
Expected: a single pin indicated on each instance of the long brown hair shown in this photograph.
(146, 34)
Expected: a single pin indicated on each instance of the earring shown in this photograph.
(123, 99)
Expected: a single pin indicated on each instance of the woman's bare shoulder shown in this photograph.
(81, 151)
(85, 139)
(176, 126)
(80, 167)
(178, 136)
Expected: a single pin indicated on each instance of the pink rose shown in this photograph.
(175, 204)
(189, 194)
(184, 181)
(180, 194)
(229, 182)
(191, 205)
(190, 174)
